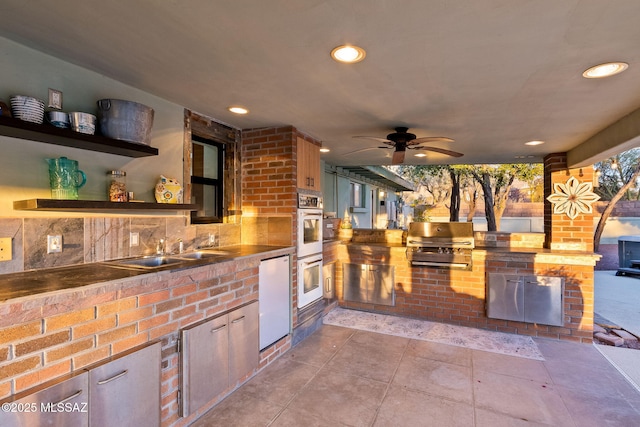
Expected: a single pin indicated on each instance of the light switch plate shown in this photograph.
(134, 239)
(54, 244)
(5, 249)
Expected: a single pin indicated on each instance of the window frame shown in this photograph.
(218, 183)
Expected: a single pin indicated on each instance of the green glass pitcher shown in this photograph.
(65, 178)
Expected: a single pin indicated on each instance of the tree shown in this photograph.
(496, 182)
(611, 178)
(441, 182)
(621, 180)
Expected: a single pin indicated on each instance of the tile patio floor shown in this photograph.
(344, 377)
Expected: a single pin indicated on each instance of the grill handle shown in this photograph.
(428, 242)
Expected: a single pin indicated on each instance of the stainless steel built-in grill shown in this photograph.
(440, 244)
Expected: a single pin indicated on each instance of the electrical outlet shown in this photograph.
(5, 249)
(134, 239)
(55, 99)
(54, 244)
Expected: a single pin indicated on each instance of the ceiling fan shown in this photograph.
(402, 140)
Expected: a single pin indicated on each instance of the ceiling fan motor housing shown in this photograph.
(401, 135)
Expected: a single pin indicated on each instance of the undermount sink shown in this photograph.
(148, 261)
(199, 255)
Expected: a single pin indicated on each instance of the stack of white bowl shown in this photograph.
(27, 108)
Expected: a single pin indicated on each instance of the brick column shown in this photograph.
(561, 232)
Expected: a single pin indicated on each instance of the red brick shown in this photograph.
(20, 332)
(94, 326)
(153, 297)
(90, 358)
(69, 350)
(117, 306)
(42, 375)
(67, 320)
(116, 335)
(38, 344)
(19, 366)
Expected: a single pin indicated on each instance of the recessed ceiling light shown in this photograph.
(238, 110)
(324, 150)
(349, 54)
(536, 142)
(605, 70)
(421, 155)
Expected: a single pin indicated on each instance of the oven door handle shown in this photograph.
(316, 261)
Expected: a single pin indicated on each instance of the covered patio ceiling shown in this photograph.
(490, 74)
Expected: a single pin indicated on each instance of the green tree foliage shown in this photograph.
(611, 179)
(495, 182)
(615, 184)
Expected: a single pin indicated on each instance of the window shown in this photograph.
(357, 195)
(207, 184)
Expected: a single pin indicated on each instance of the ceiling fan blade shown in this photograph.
(375, 138)
(429, 139)
(398, 157)
(361, 150)
(439, 150)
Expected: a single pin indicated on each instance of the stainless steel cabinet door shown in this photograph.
(354, 283)
(505, 297)
(243, 341)
(205, 363)
(543, 300)
(126, 391)
(380, 285)
(62, 403)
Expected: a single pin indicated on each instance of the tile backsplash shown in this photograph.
(95, 239)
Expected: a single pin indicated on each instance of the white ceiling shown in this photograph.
(491, 74)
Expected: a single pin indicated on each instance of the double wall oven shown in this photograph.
(309, 249)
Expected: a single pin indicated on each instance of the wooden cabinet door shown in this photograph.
(308, 165)
(244, 342)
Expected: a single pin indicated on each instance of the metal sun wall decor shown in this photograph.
(573, 198)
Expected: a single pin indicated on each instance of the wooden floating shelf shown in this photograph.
(97, 205)
(49, 134)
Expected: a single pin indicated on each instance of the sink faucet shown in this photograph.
(160, 247)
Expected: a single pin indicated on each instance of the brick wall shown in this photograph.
(458, 297)
(561, 231)
(269, 171)
(269, 190)
(44, 337)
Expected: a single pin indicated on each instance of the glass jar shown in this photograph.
(117, 186)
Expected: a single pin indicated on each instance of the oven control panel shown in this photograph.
(308, 201)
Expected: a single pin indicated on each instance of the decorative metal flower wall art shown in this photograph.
(573, 198)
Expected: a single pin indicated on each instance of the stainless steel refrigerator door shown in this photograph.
(505, 297)
(543, 300)
(274, 288)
